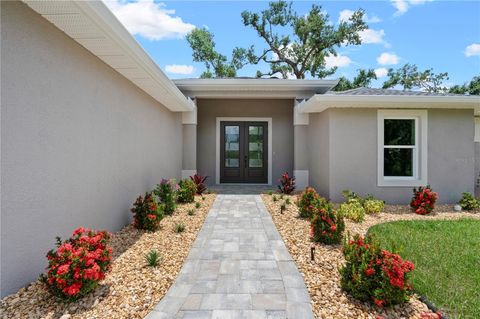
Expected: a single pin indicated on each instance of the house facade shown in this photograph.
(89, 122)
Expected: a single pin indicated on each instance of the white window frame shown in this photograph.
(420, 149)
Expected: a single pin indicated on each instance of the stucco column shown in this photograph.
(300, 147)
(189, 158)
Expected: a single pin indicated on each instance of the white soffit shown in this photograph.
(319, 103)
(91, 24)
(253, 88)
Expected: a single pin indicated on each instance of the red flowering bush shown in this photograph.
(375, 275)
(287, 184)
(306, 202)
(78, 264)
(147, 212)
(423, 201)
(326, 225)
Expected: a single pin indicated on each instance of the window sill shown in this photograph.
(400, 182)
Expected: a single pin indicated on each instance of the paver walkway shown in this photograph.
(238, 267)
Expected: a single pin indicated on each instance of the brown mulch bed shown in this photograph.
(131, 289)
(322, 277)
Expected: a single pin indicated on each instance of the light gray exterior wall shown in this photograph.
(477, 169)
(319, 152)
(189, 147)
(352, 154)
(78, 141)
(281, 112)
(300, 147)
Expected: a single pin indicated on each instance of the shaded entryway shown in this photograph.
(238, 267)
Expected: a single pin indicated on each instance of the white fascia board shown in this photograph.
(251, 88)
(116, 31)
(109, 32)
(319, 103)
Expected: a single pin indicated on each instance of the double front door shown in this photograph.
(243, 152)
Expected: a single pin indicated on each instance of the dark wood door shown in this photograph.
(243, 152)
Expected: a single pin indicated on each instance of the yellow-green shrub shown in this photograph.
(352, 210)
(373, 206)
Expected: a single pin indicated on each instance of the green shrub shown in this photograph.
(352, 210)
(374, 275)
(270, 193)
(197, 205)
(326, 225)
(147, 213)
(287, 201)
(373, 206)
(191, 212)
(166, 192)
(468, 202)
(352, 196)
(179, 227)
(306, 202)
(274, 198)
(186, 191)
(153, 258)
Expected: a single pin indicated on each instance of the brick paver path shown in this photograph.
(238, 267)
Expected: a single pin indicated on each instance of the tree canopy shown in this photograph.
(363, 79)
(217, 65)
(409, 77)
(472, 88)
(308, 40)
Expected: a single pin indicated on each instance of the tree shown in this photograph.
(203, 46)
(409, 78)
(304, 48)
(472, 88)
(362, 79)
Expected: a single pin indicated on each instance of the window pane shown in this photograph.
(398, 162)
(399, 132)
(232, 146)
(255, 146)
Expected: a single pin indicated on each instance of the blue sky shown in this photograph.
(443, 35)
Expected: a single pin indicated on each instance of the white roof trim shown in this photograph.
(93, 25)
(253, 88)
(319, 103)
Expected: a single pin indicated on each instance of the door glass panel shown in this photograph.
(255, 146)
(232, 146)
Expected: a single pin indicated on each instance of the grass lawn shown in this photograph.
(446, 255)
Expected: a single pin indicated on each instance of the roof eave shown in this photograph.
(320, 103)
(268, 88)
(99, 16)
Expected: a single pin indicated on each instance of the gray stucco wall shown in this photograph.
(189, 147)
(353, 154)
(78, 141)
(281, 112)
(477, 169)
(300, 147)
(319, 152)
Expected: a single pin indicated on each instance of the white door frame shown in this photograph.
(242, 119)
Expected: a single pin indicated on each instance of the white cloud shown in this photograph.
(387, 59)
(338, 61)
(179, 69)
(369, 36)
(472, 50)
(346, 14)
(149, 19)
(381, 72)
(402, 6)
